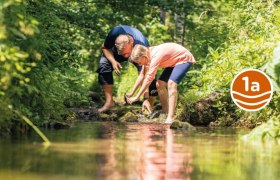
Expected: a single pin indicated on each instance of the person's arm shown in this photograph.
(144, 87)
(108, 53)
(142, 90)
(138, 82)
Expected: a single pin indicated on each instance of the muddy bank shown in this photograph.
(124, 113)
(216, 109)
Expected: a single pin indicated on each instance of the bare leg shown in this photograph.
(152, 100)
(109, 103)
(162, 93)
(172, 95)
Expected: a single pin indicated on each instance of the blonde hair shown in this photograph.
(137, 52)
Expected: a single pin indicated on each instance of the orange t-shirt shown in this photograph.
(167, 55)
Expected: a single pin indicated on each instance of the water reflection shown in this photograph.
(138, 151)
(160, 157)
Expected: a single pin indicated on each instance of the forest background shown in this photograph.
(50, 49)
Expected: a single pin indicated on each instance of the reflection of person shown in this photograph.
(175, 59)
(116, 49)
(162, 158)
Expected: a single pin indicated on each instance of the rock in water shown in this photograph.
(128, 117)
(181, 125)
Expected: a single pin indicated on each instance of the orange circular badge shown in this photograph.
(251, 90)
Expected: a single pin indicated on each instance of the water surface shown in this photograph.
(106, 150)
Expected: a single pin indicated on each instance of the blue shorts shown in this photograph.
(176, 73)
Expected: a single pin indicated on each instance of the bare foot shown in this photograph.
(168, 121)
(106, 107)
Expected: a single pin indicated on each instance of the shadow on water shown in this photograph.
(106, 150)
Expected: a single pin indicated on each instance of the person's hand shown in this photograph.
(127, 96)
(146, 105)
(117, 66)
(131, 100)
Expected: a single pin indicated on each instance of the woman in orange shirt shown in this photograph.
(176, 61)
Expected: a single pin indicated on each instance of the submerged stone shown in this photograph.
(57, 125)
(129, 117)
(85, 114)
(155, 117)
(154, 114)
(181, 125)
(104, 117)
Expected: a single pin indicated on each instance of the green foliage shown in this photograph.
(267, 131)
(36, 129)
(15, 60)
(45, 54)
(271, 129)
(186, 102)
(227, 37)
(272, 68)
(252, 36)
(49, 50)
(126, 81)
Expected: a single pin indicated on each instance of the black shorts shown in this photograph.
(105, 78)
(153, 88)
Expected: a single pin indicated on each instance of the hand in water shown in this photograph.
(146, 105)
(131, 100)
(127, 96)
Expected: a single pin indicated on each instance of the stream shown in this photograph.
(108, 150)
